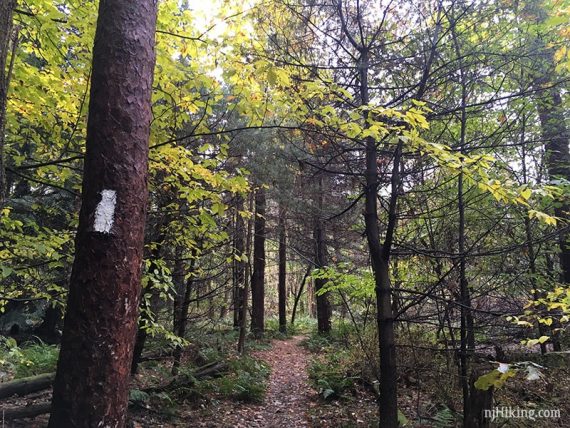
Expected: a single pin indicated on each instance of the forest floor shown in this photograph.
(289, 402)
(291, 399)
(287, 398)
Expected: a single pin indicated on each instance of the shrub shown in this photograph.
(28, 360)
(330, 376)
(316, 342)
(245, 382)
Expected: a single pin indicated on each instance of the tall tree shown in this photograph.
(91, 385)
(6, 13)
(324, 310)
(258, 275)
(282, 280)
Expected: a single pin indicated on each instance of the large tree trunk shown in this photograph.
(6, 14)
(91, 385)
(324, 310)
(282, 283)
(258, 276)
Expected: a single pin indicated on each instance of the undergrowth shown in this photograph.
(30, 359)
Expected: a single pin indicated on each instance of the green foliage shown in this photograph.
(245, 382)
(444, 418)
(28, 360)
(358, 283)
(497, 378)
(316, 342)
(137, 396)
(329, 375)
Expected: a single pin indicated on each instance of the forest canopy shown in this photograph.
(387, 179)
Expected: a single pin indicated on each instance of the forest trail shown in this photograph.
(288, 391)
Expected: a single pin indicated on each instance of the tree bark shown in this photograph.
(239, 266)
(6, 14)
(379, 258)
(282, 282)
(258, 276)
(91, 384)
(182, 313)
(244, 307)
(324, 310)
(555, 133)
(556, 138)
(300, 292)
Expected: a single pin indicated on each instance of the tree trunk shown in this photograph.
(247, 278)
(379, 257)
(300, 292)
(239, 266)
(6, 13)
(530, 244)
(323, 304)
(282, 283)
(467, 336)
(258, 276)
(146, 308)
(182, 314)
(555, 133)
(92, 379)
(556, 139)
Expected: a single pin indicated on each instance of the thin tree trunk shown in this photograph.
(530, 245)
(145, 309)
(300, 292)
(282, 283)
(92, 379)
(6, 14)
(239, 266)
(467, 337)
(258, 276)
(324, 310)
(388, 401)
(182, 314)
(244, 307)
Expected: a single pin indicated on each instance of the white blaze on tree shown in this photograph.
(105, 212)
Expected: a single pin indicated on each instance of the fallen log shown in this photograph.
(26, 385)
(208, 370)
(30, 411)
(33, 384)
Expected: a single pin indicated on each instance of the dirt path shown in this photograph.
(288, 393)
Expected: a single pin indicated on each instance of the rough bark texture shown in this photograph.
(258, 276)
(282, 283)
(6, 13)
(91, 385)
